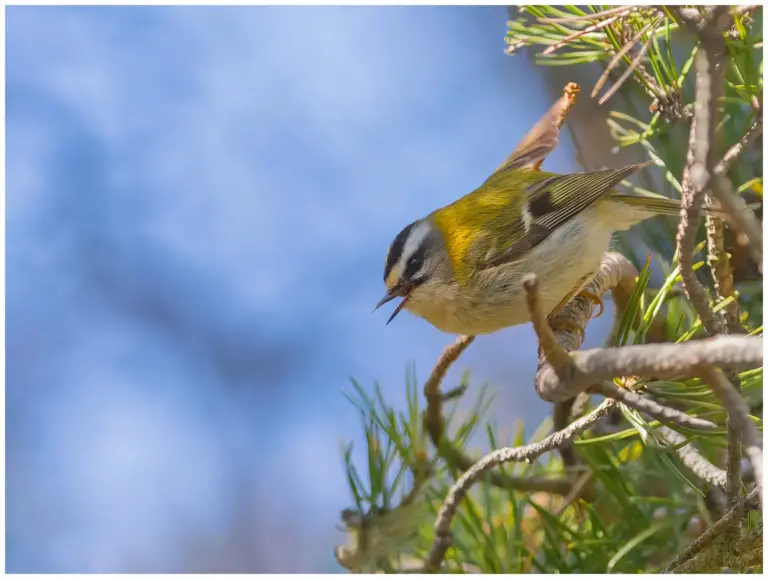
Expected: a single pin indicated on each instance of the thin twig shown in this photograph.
(708, 561)
(619, 55)
(735, 441)
(722, 276)
(561, 414)
(525, 453)
(621, 10)
(750, 503)
(644, 404)
(580, 33)
(732, 154)
(718, 258)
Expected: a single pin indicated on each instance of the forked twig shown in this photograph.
(630, 69)
(435, 424)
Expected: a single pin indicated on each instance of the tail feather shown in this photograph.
(658, 205)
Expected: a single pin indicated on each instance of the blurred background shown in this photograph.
(199, 204)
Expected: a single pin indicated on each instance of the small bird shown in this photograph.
(461, 267)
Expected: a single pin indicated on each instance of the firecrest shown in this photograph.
(461, 267)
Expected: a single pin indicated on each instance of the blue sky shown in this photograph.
(199, 203)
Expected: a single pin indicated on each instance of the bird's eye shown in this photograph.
(413, 265)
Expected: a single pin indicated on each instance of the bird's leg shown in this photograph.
(576, 292)
(556, 324)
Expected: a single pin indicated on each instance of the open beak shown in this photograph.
(395, 292)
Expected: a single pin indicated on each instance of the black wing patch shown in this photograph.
(541, 204)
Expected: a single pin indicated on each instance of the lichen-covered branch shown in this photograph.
(747, 552)
(701, 160)
(722, 274)
(750, 503)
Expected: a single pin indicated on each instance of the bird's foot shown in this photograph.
(595, 299)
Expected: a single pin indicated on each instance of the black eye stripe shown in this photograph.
(396, 250)
(414, 263)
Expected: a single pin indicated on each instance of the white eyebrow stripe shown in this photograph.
(416, 237)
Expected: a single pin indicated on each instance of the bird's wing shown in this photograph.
(540, 141)
(552, 201)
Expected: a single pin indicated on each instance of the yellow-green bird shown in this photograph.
(461, 267)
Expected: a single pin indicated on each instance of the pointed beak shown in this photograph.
(393, 293)
(388, 297)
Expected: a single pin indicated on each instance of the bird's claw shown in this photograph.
(595, 299)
